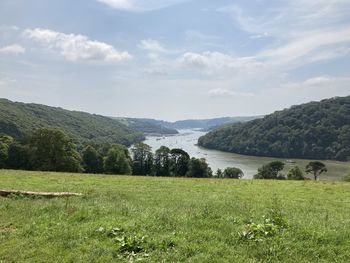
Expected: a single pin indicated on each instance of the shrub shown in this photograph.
(346, 178)
(295, 174)
(233, 172)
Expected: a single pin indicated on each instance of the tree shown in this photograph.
(233, 172)
(53, 150)
(92, 160)
(317, 168)
(198, 168)
(142, 159)
(179, 161)
(5, 142)
(219, 173)
(19, 157)
(162, 162)
(270, 171)
(117, 160)
(295, 174)
(3, 155)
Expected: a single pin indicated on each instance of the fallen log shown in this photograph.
(41, 194)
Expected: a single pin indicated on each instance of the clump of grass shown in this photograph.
(133, 246)
(273, 224)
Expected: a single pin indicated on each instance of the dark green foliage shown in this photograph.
(233, 173)
(117, 160)
(19, 157)
(142, 159)
(198, 168)
(295, 174)
(162, 162)
(53, 150)
(270, 171)
(5, 142)
(92, 160)
(179, 161)
(316, 168)
(219, 173)
(3, 154)
(19, 120)
(316, 130)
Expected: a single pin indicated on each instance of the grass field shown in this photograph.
(181, 220)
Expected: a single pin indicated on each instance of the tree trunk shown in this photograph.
(42, 194)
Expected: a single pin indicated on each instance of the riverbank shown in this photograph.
(187, 140)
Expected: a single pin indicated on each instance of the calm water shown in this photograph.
(187, 140)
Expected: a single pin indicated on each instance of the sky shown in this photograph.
(174, 59)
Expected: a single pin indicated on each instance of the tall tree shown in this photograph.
(142, 159)
(117, 160)
(53, 150)
(316, 168)
(162, 162)
(5, 142)
(19, 156)
(92, 160)
(199, 168)
(180, 160)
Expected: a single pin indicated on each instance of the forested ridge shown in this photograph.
(315, 130)
(20, 120)
(148, 126)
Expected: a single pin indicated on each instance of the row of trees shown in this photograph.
(273, 170)
(53, 150)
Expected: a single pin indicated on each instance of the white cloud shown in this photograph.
(119, 4)
(76, 47)
(307, 47)
(219, 92)
(13, 49)
(300, 31)
(216, 62)
(152, 46)
(139, 5)
(321, 80)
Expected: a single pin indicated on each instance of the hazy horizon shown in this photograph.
(174, 59)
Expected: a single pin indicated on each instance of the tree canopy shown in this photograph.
(316, 168)
(20, 120)
(315, 130)
(53, 150)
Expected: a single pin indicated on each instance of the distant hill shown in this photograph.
(20, 120)
(208, 124)
(149, 126)
(315, 130)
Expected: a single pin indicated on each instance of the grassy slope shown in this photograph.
(202, 217)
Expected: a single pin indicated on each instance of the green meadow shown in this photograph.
(148, 219)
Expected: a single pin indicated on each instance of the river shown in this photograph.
(187, 140)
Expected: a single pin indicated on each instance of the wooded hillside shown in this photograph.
(315, 130)
(20, 120)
